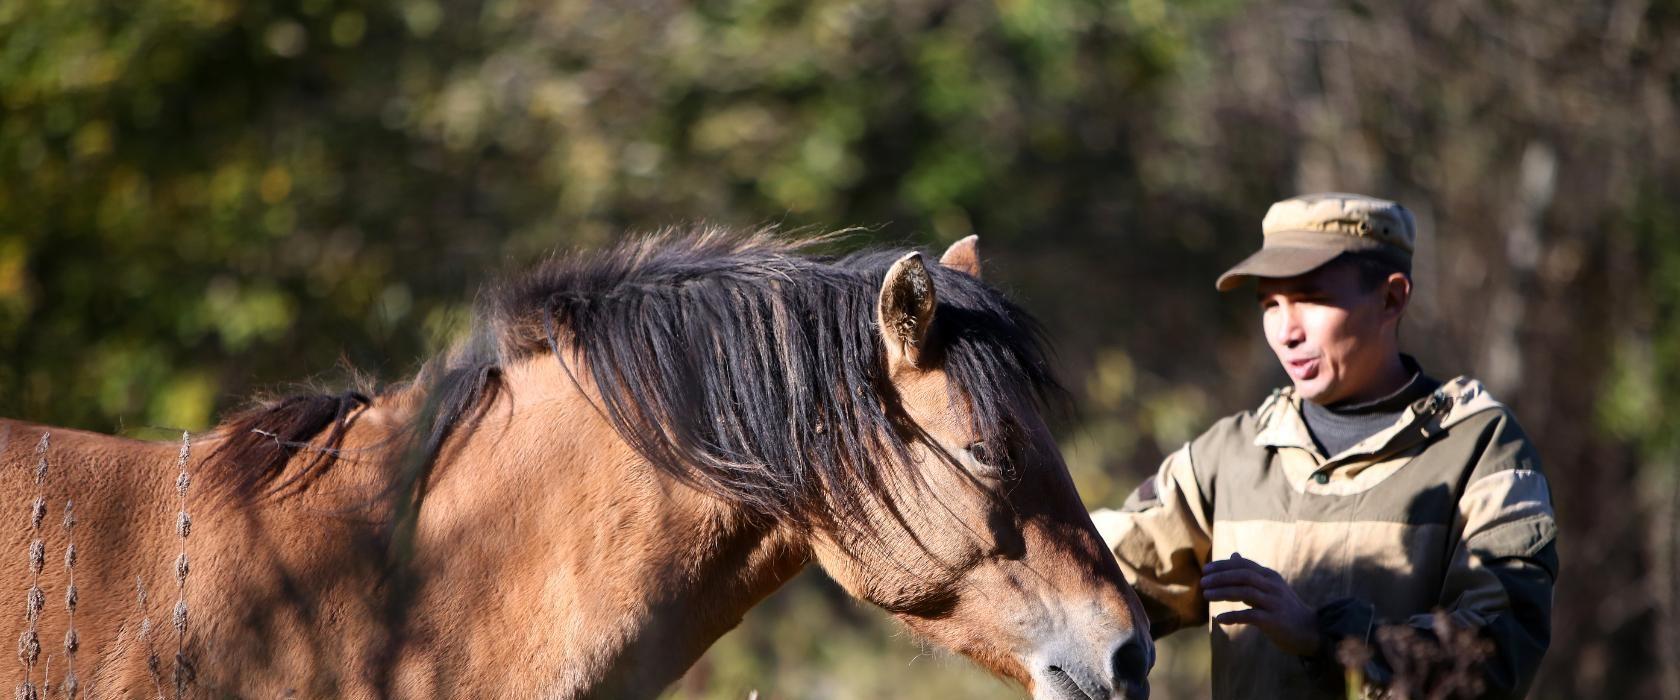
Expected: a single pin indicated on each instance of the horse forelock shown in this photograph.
(744, 364)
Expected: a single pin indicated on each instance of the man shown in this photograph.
(1365, 494)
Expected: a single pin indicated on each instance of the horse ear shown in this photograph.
(963, 256)
(905, 310)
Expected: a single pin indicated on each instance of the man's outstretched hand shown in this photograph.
(1272, 604)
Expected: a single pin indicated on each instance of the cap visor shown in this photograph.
(1276, 262)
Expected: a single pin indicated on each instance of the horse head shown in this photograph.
(980, 542)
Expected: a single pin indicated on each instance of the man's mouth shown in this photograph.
(1302, 369)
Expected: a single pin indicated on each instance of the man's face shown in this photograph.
(1332, 336)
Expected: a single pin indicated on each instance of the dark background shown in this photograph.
(203, 199)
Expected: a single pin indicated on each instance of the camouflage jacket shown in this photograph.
(1445, 510)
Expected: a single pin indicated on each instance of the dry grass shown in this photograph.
(29, 644)
(1445, 664)
(71, 643)
(183, 528)
(153, 667)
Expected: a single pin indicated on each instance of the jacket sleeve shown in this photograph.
(1499, 580)
(1162, 536)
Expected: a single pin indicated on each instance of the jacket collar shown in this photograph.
(1281, 424)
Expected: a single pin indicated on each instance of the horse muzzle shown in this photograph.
(1067, 672)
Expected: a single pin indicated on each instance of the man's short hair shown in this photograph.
(1373, 267)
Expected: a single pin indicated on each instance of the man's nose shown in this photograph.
(1290, 334)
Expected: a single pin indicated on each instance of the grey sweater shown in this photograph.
(1340, 426)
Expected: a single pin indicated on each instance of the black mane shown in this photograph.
(740, 363)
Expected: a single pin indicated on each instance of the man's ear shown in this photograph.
(963, 256)
(1397, 294)
(904, 311)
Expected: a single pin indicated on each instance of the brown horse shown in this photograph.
(631, 450)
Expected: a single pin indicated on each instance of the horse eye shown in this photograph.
(986, 461)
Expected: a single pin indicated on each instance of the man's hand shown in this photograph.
(1273, 605)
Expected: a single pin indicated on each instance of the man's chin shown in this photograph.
(1315, 390)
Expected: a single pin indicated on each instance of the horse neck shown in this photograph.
(545, 539)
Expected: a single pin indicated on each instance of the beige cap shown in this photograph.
(1305, 232)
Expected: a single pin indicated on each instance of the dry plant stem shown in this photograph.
(1353, 654)
(29, 644)
(183, 528)
(70, 599)
(152, 666)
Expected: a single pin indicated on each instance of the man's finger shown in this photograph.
(1254, 597)
(1250, 616)
(1241, 577)
(1235, 563)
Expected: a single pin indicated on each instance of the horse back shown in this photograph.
(118, 525)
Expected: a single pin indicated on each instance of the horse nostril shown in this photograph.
(1064, 684)
(1131, 664)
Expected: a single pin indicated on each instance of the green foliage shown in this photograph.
(1646, 368)
(199, 180)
